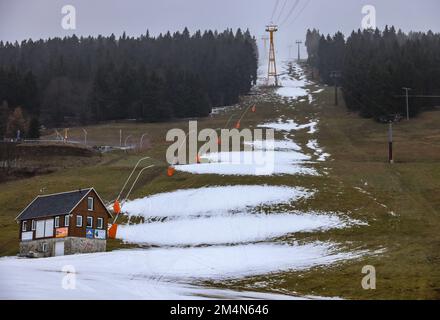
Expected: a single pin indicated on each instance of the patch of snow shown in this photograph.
(278, 145)
(293, 88)
(155, 273)
(292, 92)
(322, 156)
(212, 200)
(290, 125)
(255, 163)
(228, 229)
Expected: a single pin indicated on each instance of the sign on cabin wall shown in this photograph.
(89, 233)
(100, 234)
(61, 232)
(27, 236)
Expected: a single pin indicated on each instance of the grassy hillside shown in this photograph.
(400, 202)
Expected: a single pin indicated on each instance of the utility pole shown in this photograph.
(265, 38)
(390, 143)
(407, 101)
(335, 75)
(299, 51)
(272, 68)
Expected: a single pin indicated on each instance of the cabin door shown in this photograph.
(39, 233)
(59, 248)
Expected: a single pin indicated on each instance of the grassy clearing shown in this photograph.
(400, 202)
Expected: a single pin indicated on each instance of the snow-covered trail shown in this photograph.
(156, 273)
(213, 233)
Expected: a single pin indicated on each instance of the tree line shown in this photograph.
(71, 80)
(375, 65)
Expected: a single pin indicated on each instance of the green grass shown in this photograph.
(400, 202)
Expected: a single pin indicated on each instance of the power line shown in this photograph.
(290, 12)
(301, 11)
(281, 11)
(274, 10)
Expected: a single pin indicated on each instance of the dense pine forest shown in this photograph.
(375, 65)
(75, 80)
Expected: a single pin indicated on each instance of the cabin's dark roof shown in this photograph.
(53, 204)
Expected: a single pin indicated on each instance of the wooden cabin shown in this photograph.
(64, 223)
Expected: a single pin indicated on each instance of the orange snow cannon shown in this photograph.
(112, 231)
(170, 171)
(117, 207)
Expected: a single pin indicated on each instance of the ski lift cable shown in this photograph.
(290, 13)
(274, 10)
(301, 11)
(281, 11)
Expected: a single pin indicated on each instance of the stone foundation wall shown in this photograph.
(72, 245)
(34, 248)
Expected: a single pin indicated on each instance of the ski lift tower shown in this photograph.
(272, 68)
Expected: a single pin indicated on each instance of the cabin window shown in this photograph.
(90, 203)
(57, 222)
(23, 226)
(79, 221)
(34, 225)
(100, 224)
(66, 220)
(89, 222)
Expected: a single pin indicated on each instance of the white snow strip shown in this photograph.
(278, 145)
(290, 125)
(212, 200)
(226, 229)
(256, 163)
(143, 274)
(292, 92)
(227, 169)
(293, 88)
(322, 156)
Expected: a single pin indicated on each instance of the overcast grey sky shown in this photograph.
(23, 19)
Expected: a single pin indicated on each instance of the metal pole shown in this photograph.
(85, 136)
(407, 106)
(126, 139)
(299, 50)
(390, 143)
(137, 178)
(407, 101)
(129, 177)
(120, 137)
(142, 141)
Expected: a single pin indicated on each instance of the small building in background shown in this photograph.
(64, 223)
